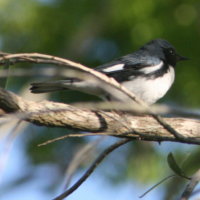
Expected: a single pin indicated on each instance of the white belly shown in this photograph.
(151, 90)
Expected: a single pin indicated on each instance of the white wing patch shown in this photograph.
(151, 69)
(113, 68)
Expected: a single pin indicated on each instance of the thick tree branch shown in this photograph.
(49, 113)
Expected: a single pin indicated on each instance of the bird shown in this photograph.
(148, 72)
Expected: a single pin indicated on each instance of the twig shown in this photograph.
(80, 157)
(67, 136)
(190, 186)
(92, 168)
(173, 131)
(157, 184)
(8, 144)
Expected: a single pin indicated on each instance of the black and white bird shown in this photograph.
(148, 73)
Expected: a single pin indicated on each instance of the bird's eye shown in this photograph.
(171, 51)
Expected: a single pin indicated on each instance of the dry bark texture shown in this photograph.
(119, 124)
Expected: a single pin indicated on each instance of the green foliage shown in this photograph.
(145, 163)
(174, 166)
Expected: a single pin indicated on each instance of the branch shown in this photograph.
(101, 81)
(191, 185)
(92, 168)
(43, 116)
(47, 113)
(75, 70)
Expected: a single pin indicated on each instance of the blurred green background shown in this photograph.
(94, 32)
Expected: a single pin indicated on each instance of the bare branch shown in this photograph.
(82, 156)
(77, 70)
(190, 186)
(66, 136)
(7, 147)
(53, 114)
(92, 168)
(157, 184)
(129, 107)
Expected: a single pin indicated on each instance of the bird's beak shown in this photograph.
(179, 58)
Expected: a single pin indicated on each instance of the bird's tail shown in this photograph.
(71, 83)
(49, 86)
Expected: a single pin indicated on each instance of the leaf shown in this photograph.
(175, 167)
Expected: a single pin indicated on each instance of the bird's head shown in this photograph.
(164, 50)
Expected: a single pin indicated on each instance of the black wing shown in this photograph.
(128, 66)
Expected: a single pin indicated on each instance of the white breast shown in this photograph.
(151, 90)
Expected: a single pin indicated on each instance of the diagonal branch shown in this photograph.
(92, 168)
(191, 185)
